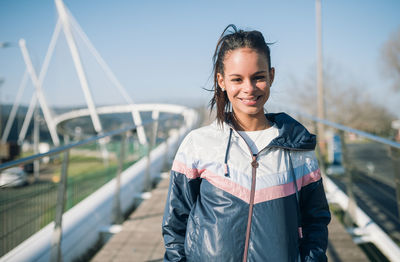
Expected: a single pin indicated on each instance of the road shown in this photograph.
(374, 185)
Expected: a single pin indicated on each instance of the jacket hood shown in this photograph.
(292, 134)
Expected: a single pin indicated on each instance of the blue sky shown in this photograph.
(161, 50)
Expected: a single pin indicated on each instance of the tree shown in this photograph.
(391, 58)
(346, 102)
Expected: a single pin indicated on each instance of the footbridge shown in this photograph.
(120, 220)
(99, 195)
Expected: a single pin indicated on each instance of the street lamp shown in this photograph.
(6, 44)
(2, 80)
(320, 86)
(1, 107)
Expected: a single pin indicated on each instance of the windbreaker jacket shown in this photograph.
(220, 193)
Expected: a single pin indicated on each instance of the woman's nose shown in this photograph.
(249, 86)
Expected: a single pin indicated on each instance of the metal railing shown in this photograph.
(369, 172)
(26, 210)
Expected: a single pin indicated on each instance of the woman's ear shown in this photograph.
(220, 80)
(271, 75)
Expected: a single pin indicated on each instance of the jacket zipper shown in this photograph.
(254, 165)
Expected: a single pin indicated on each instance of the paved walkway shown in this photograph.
(140, 238)
(341, 247)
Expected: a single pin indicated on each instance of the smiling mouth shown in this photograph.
(250, 101)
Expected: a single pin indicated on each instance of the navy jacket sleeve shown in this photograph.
(182, 195)
(315, 219)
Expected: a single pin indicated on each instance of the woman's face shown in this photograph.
(247, 81)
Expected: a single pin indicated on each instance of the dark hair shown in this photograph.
(229, 41)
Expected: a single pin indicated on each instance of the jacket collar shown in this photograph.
(292, 134)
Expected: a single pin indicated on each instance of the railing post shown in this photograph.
(318, 152)
(36, 141)
(395, 155)
(147, 182)
(117, 215)
(165, 161)
(350, 213)
(56, 253)
(155, 115)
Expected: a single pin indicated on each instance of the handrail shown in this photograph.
(352, 130)
(64, 148)
(371, 232)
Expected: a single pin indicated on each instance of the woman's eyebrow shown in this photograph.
(260, 72)
(256, 73)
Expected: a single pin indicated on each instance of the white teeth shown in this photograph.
(247, 100)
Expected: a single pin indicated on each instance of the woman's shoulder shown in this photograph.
(205, 136)
(292, 134)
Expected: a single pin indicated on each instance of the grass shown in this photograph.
(87, 172)
(337, 211)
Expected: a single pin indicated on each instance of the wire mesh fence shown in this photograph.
(26, 209)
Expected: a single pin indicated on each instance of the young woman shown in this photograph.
(248, 186)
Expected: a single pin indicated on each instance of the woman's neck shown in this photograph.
(250, 123)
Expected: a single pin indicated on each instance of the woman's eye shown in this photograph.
(259, 78)
(236, 80)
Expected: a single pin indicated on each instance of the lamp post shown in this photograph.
(320, 86)
(2, 45)
(1, 107)
(2, 80)
(4, 150)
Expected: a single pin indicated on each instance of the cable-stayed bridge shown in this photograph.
(93, 181)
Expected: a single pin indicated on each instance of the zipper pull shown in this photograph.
(254, 163)
(300, 232)
(226, 170)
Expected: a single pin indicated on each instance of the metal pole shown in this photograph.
(395, 155)
(147, 182)
(320, 159)
(147, 178)
(14, 108)
(36, 141)
(56, 253)
(117, 215)
(1, 107)
(320, 87)
(350, 213)
(166, 158)
(155, 115)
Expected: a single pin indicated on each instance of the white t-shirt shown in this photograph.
(257, 140)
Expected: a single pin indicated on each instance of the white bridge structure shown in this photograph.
(67, 23)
